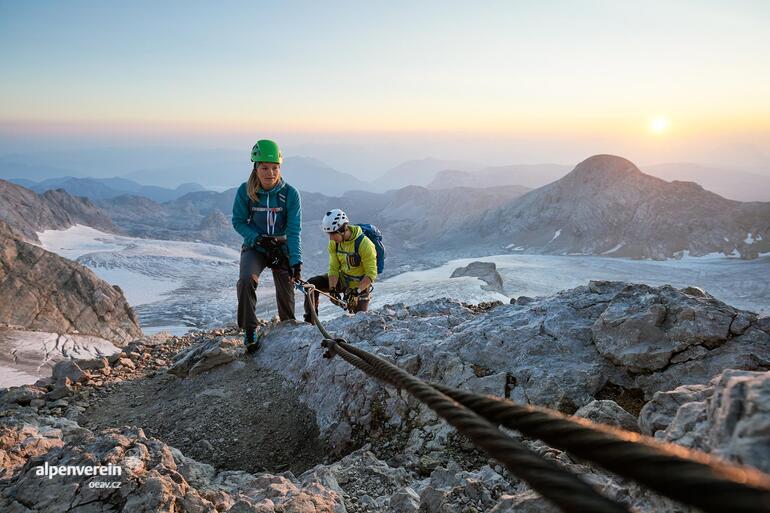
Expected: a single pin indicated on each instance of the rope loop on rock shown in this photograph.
(679, 473)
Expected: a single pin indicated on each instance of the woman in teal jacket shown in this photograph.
(268, 214)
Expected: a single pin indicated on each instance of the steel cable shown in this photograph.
(557, 485)
(688, 476)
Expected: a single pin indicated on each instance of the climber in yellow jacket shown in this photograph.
(352, 263)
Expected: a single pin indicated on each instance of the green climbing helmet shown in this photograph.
(266, 151)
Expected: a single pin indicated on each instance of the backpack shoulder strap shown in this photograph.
(358, 242)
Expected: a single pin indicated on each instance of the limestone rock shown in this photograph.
(644, 327)
(485, 271)
(610, 413)
(42, 291)
(562, 351)
(206, 356)
(68, 370)
(544, 352)
(22, 395)
(28, 212)
(729, 417)
(152, 477)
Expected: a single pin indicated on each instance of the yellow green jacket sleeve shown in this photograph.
(334, 263)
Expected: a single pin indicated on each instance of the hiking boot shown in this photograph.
(250, 340)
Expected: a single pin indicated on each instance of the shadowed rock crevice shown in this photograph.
(235, 417)
(630, 399)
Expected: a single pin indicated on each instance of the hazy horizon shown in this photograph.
(366, 162)
(366, 87)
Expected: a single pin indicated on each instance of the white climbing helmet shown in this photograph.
(334, 220)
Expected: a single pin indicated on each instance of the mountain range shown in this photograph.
(102, 188)
(28, 213)
(730, 183)
(604, 206)
(531, 176)
(419, 172)
(412, 217)
(607, 206)
(222, 169)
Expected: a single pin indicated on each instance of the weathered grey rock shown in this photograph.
(60, 392)
(153, 476)
(22, 395)
(485, 271)
(27, 436)
(405, 500)
(544, 353)
(740, 323)
(29, 213)
(643, 327)
(93, 364)
(658, 413)
(527, 502)
(42, 291)
(68, 369)
(610, 413)
(198, 359)
(729, 417)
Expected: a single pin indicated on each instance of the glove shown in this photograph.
(296, 271)
(352, 301)
(267, 242)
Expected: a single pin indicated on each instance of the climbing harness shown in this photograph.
(276, 251)
(682, 474)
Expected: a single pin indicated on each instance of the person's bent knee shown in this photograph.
(252, 281)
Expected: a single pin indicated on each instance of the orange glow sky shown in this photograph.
(564, 79)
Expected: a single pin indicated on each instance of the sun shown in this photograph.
(659, 125)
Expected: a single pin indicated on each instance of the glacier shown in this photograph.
(178, 286)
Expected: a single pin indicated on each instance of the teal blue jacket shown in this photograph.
(269, 217)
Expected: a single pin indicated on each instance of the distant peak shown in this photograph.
(606, 166)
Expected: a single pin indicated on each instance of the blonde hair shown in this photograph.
(253, 186)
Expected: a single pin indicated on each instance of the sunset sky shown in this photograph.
(507, 81)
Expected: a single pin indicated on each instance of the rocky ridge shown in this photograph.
(403, 459)
(29, 213)
(411, 218)
(42, 291)
(607, 206)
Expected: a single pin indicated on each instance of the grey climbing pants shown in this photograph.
(253, 262)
